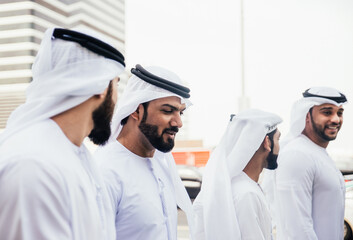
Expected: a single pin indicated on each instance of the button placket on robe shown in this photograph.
(161, 195)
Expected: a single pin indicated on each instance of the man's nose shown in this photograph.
(176, 121)
(336, 119)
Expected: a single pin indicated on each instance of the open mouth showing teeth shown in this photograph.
(333, 127)
(170, 133)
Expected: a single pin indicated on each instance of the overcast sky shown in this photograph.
(289, 46)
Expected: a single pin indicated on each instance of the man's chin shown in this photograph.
(99, 141)
(166, 147)
(164, 150)
(331, 138)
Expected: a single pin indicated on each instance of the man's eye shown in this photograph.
(327, 113)
(167, 111)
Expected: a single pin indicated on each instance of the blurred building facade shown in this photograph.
(22, 25)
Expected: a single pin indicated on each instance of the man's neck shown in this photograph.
(253, 169)
(76, 123)
(315, 139)
(135, 143)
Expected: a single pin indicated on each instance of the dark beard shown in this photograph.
(151, 133)
(272, 158)
(321, 133)
(102, 117)
(272, 161)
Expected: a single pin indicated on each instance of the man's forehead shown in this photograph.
(328, 105)
(172, 100)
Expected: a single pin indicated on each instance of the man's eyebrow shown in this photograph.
(173, 107)
(330, 108)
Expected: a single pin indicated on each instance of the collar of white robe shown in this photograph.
(91, 43)
(143, 74)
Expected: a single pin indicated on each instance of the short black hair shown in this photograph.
(124, 121)
(145, 105)
(271, 134)
(311, 110)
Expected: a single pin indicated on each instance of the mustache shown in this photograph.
(171, 129)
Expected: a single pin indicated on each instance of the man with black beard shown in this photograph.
(231, 204)
(50, 186)
(102, 117)
(137, 165)
(151, 133)
(309, 191)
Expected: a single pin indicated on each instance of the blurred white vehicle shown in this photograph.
(191, 177)
(348, 212)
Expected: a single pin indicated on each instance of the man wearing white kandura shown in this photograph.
(137, 165)
(231, 204)
(50, 187)
(309, 191)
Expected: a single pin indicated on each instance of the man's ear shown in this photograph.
(103, 94)
(307, 118)
(100, 96)
(136, 115)
(267, 144)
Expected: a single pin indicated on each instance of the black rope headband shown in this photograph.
(93, 44)
(340, 99)
(143, 74)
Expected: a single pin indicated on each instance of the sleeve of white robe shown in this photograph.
(294, 182)
(248, 210)
(114, 187)
(199, 217)
(33, 202)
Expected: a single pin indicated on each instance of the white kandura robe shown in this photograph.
(49, 188)
(141, 192)
(251, 209)
(310, 193)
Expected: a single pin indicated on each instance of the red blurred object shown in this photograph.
(197, 158)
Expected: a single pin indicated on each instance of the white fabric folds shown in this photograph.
(65, 75)
(214, 208)
(136, 92)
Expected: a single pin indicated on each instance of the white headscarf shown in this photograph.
(214, 206)
(301, 108)
(138, 91)
(65, 75)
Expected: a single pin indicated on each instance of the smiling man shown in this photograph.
(138, 167)
(310, 189)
